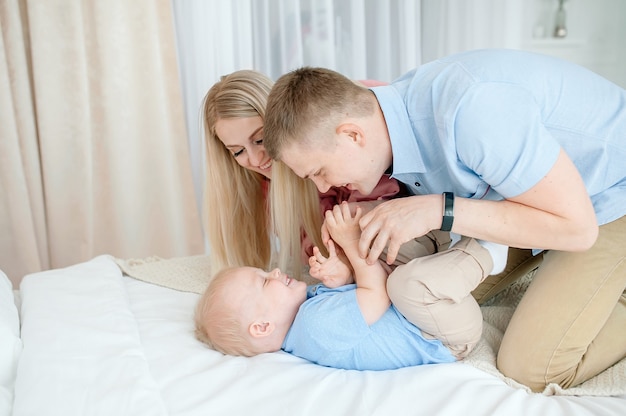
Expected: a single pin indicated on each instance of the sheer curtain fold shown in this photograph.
(360, 38)
(363, 39)
(451, 26)
(109, 153)
(213, 38)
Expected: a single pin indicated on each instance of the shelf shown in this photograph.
(556, 43)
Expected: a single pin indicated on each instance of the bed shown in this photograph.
(92, 340)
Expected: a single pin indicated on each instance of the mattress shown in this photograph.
(10, 344)
(97, 342)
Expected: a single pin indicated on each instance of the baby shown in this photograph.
(248, 311)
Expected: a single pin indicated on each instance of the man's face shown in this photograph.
(342, 163)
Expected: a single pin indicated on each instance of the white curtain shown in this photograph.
(363, 39)
(450, 26)
(93, 156)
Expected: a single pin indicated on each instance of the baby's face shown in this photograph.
(275, 295)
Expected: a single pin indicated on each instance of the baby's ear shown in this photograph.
(261, 329)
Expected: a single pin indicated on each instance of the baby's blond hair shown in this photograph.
(219, 323)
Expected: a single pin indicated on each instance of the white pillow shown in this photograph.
(10, 346)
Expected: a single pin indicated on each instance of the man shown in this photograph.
(505, 146)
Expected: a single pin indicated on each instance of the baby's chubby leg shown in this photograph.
(433, 293)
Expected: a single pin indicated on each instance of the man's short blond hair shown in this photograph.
(309, 100)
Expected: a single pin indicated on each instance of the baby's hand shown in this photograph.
(331, 271)
(342, 226)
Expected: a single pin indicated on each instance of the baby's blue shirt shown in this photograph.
(329, 330)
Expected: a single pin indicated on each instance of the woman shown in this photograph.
(238, 174)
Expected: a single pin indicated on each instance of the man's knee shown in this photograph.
(520, 370)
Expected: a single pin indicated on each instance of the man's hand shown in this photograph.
(397, 221)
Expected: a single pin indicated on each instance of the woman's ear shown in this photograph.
(261, 329)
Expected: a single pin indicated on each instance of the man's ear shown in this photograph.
(261, 329)
(353, 131)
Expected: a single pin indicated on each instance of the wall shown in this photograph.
(596, 34)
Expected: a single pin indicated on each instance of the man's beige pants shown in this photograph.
(434, 293)
(571, 323)
(569, 326)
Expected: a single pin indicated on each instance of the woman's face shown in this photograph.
(243, 137)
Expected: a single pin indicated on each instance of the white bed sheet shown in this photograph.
(99, 343)
(10, 344)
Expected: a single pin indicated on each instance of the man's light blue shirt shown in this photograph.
(489, 124)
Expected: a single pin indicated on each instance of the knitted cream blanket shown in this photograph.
(192, 274)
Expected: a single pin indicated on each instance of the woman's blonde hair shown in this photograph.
(235, 211)
(295, 209)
